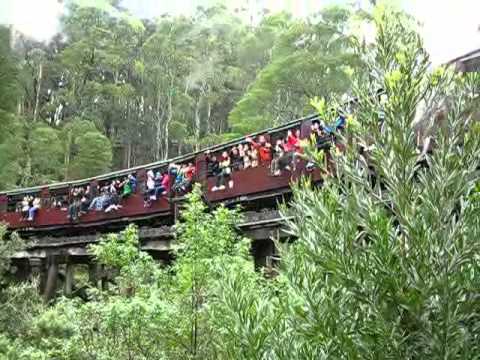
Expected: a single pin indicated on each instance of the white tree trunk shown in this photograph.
(198, 124)
(159, 114)
(39, 88)
(167, 125)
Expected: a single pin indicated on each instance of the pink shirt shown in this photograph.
(166, 182)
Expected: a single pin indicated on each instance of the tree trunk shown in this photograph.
(209, 115)
(197, 126)
(158, 138)
(66, 161)
(169, 119)
(129, 154)
(37, 95)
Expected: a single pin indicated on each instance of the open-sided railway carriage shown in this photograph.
(252, 184)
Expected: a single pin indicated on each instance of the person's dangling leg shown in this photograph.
(229, 180)
(218, 182)
(159, 191)
(221, 182)
(31, 213)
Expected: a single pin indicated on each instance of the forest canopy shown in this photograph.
(111, 91)
(384, 258)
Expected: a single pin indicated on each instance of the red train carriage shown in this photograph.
(249, 183)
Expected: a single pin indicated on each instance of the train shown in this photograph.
(252, 183)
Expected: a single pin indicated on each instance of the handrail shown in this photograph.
(153, 165)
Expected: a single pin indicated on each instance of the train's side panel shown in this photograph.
(51, 217)
(246, 182)
(257, 180)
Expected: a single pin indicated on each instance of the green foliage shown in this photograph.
(382, 270)
(161, 313)
(20, 304)
(94, 155)
(46, 154)
(388, 271)
(9, 245)
(121, 252)
(8, 82)
(9, 132)
(157, 90)
(11, 152)
(308, 58)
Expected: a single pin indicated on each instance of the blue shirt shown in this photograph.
(99, 203)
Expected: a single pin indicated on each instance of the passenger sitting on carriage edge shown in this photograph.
(34, 205)
(113, 200)
(237, 159)
(264, 149)
(189, 173)
(213, 166)
(184, 178)
(166, 183)
(225, 173)
(292, 142)
(245, 153)
(25, 206)
(282, 160)
(99, 203)
(159, 189)
(179, 178)
(149, 193)
(74, 209)
(132, 178)
(252, 154)
(323, 140)
(126, 188)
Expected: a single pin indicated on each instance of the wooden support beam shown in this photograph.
(262, 225)
(52, 276)
(69, 278)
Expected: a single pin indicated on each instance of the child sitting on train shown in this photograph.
(149, 193)
(225, 173)
(184, 178)
(33, 207)
(264, 149)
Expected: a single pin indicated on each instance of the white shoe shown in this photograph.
(214, 188)
(221, 187)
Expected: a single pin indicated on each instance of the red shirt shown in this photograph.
(264, 151)
(293, 143)
(189, 172)
(166, 182)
